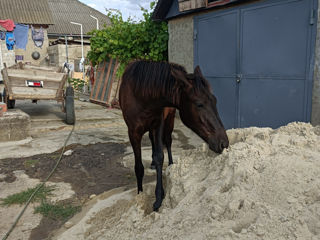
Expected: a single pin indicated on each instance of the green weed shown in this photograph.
(57, 211)
(22, 197)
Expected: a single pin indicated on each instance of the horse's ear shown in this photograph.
(197, 71)
(181, 78)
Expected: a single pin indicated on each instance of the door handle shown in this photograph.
(238, 78)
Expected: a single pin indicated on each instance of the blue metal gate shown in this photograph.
(259, 60)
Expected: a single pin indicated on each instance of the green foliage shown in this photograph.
(76, 83)
(57, 211)
(128, 40)
(23, 197)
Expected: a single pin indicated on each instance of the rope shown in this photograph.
(39, 187)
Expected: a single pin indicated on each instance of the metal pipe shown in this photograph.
(66, 40)
(96, 20)
(82, 55)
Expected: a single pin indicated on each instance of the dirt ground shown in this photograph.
(102, 159)
(90, 170)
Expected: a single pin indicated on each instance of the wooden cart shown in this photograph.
(23, 81)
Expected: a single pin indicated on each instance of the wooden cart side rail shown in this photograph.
(22, 80)
(4, 73)
(28, 97)
(21, 65)
(46, 86)
(35, 74)
(62, 83)
(33, 93)
(51, 69)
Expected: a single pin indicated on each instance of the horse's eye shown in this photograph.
(199, 105)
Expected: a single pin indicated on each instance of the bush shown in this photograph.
(128, 40)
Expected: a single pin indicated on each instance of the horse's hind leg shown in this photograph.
(157, 158)
(135, 140)
(167, 132)
(152, 166)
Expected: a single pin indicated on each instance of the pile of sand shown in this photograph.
(265, 186)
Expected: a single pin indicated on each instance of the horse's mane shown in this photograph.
(155, 79)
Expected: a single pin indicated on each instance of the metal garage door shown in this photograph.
(259, 61)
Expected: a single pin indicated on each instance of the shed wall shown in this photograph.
(57, 53)
(30, 48)
(181, 42)
(315, 116)
(7, 57)
(181, 51)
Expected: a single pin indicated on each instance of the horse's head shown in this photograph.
(198, 109)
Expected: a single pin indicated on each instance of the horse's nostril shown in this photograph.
(223, 145)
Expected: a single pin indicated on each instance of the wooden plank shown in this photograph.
(112, 81)
(60, 89)
(106, 82)
(184, 6)
(191, 4)
(33, 93)
(22, 81)
(35, 74)
(42, 68)
(34, 78)
(27, 97)
(97, 82)
(4, 73)
(100, 80)
(100, 102)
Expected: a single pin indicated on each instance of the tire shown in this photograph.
(10, 103)
(70, 115)
(69, 91)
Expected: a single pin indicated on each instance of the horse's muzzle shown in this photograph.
(217, 144)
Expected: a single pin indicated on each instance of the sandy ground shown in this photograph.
(265, 186)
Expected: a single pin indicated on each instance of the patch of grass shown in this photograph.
(31, 162)
(57, 211)
(22, 197)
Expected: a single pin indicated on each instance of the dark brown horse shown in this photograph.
(149, 87)
(168, 125)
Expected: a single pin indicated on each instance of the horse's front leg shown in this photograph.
(167, 132)
(135, 140)
(157, 158)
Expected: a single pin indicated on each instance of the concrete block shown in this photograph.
(14, 126)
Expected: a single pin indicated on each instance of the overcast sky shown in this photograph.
(127, 7)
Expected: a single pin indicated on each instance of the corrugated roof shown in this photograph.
(26, 11)
(66, 11)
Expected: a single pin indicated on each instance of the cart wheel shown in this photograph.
(69, 91)
(69, 106)
(10, 103)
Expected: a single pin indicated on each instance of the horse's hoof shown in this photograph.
(152, 166)
(156, 206)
